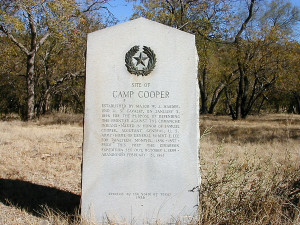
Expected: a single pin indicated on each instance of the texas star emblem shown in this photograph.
(142, 63)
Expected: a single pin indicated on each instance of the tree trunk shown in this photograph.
(244, 109)
(297, 97)
(30, 53)
(47, 102)
(238, 107)
(203, 91)
(261, 104)
(216, 96)
(241, 87)
(30, 86)
(231, 110)
(43, 106)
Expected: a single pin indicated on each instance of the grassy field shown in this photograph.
(250, 170)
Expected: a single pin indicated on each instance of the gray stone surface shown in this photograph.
(141, 133)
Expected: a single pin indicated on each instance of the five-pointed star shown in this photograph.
(140, 59)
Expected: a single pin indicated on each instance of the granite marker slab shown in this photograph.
(141, 131)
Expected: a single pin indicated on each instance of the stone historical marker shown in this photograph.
(141, 131)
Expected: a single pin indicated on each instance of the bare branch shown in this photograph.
(42, 40)
(182, 26)
(90, 7)
(243, 27)
(172, 7)
(33, 34)
(213, 38)
(70, 76)
(13, 39)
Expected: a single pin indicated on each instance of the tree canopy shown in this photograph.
(247, 49)
(46, 33)
(244, 48)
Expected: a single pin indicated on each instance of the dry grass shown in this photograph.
(266, 137)
(249, 170)
(39, 165)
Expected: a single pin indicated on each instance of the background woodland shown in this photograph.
(248, 53)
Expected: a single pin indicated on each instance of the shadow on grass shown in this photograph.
(32, 197)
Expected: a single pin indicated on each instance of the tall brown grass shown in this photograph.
(250, 170)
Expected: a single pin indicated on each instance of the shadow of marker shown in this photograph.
(31, 197)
